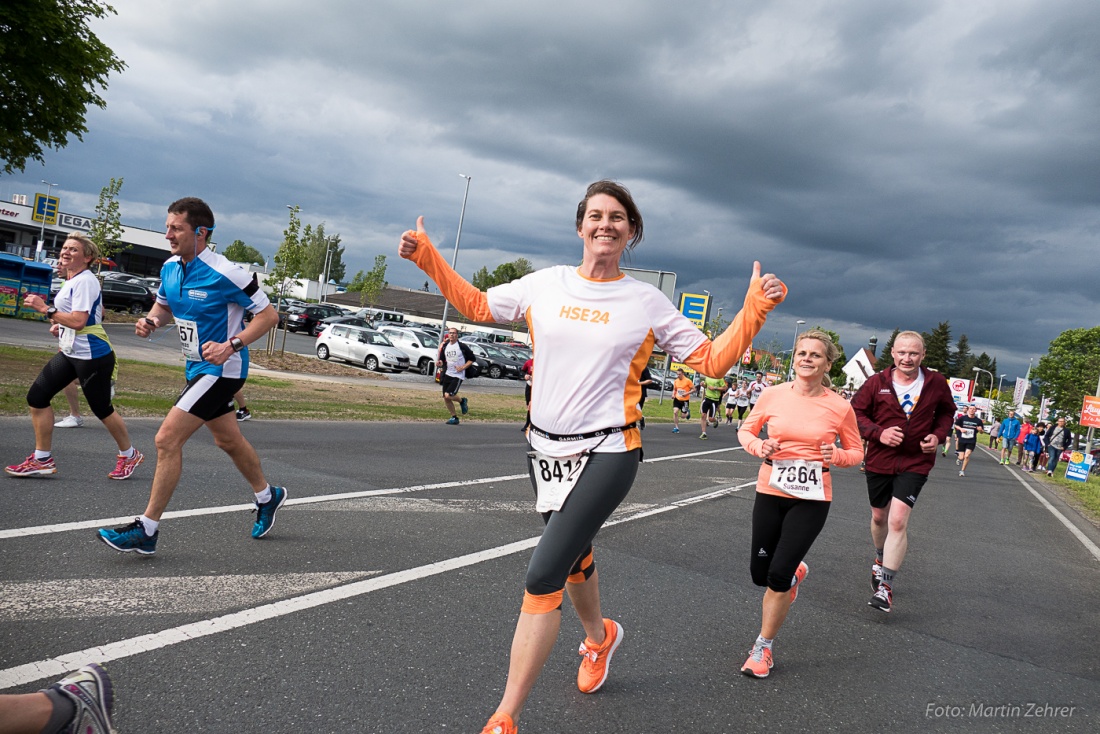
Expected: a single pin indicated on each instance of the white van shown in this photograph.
(379, 316)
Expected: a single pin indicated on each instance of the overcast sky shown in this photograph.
(897, 163)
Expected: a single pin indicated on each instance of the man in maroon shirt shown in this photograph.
(904, 414)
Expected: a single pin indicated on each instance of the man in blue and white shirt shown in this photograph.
(207, 296)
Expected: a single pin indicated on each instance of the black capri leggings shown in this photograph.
(783, 529)
(602, 487)
(95, 381)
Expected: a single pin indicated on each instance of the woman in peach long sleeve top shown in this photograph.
(794, 486)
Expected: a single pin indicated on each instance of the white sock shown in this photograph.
(149, 525)
(762, 641)
(264, 496)
(128, 453)
(42, 455)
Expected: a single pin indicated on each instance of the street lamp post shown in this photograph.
(42, 230)
(979, 369)
(328, 260)
(790, 370)
(999, 378)
(454, 258)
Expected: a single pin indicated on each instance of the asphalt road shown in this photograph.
(385, 597)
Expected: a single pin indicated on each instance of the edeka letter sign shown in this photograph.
(1090, 412)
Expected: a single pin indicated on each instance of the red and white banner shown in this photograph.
(962, 390)
(1020, 392)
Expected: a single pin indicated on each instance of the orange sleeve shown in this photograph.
(472, 303)
(715, 358)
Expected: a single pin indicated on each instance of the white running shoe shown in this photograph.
(70, 421)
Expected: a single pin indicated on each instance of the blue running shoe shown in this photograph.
(465, 407)
(265, 513)
(131, 538)
(92, 694)
(453, 421)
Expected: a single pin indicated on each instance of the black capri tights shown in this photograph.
(783, 529)
(95, 381)
(567, 540)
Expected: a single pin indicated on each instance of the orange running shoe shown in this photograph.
(759, 664)
(799, 575)
(597, 658)
(500, 723)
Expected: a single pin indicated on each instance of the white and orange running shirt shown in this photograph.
(591, 340)
(801, 424)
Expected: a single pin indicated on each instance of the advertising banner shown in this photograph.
(1020, 392)
(962, 391)
(1079, 465)
(1090, 412)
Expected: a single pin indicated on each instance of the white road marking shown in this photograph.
(402, 504)
(106, 522)
(124, 520)
(1089, 545)
(58, 666)
(111, 597)
(1085, 541)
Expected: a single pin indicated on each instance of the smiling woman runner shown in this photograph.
(793, 488)
(85, 354)
(593, 329)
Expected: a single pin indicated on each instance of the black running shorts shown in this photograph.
(450, 384)
(208, 396)
(905, 487)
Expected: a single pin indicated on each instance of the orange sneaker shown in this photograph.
(799, 575)
(597, 658)
(759, 664)
(500, 723)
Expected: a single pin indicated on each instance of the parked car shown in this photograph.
(124, 277)
(332, 320)
(361, 346)
(521, 353)
(122, 296)
(660, 376)
(499, 364)
(152, 283)
(422, 348)
(303, 318)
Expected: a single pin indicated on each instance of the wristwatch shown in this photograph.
(51, 311)
(237, 344)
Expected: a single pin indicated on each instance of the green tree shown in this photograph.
(318, 244)
(290, 257)
(983, 387)
(50, 67)
(106, 229)
(239, 252)
(1069, 371)
(483, 280)
(370, 285)
(937, 348)
(963, 360)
